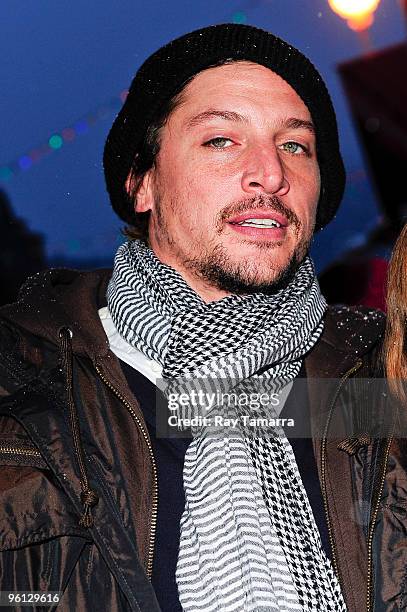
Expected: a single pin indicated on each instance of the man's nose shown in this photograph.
(264, 173)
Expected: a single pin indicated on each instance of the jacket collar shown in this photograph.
(63, 298)
(71, 298)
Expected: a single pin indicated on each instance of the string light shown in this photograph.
(5, 173)
(57, 140)
(68, 134)
(239, 17)
(25, 162)
(81, 127)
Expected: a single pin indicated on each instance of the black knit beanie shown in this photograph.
(164, 74)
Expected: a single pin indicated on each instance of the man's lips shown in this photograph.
(274, 233)
(260, 214)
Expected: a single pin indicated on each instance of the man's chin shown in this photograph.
(241, 279)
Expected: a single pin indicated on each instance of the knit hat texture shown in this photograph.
(164, 74)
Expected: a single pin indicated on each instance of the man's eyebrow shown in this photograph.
(215, 114)
(291, 123)
(295, 124)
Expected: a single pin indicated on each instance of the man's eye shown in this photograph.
(294, 147)
(218, 143)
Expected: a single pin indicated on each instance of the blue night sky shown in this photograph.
(64, 64)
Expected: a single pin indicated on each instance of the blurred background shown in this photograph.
(64, 73)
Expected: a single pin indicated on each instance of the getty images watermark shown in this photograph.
(198, 401)
(220, 407)
(353, 409)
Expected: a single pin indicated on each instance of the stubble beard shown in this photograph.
(216, 269)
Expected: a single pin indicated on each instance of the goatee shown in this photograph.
(218, 271)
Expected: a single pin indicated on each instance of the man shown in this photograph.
(224, 160)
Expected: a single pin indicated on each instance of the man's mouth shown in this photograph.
(260, 223)
(261, 218)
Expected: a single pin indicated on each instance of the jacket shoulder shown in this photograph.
(61, 298)
(350, 334)
(354, 328)
(22, 356)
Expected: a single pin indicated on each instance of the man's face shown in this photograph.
(234, 190)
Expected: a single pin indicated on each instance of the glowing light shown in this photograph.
(68, 134)
(81, 127)
(36, 155)
(358, 13)
(239, 17)
(55, 142)
(353, 8)
(25, 162)
(5, 173)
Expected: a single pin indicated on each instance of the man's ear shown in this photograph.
(144, 197)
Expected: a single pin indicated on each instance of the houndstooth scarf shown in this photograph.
(248, 540)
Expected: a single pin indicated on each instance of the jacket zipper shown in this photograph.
(89, 497)
(154, 511)
(369, 599)
(349, 373)
(13, 450)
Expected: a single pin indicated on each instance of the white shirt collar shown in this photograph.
(126, 352)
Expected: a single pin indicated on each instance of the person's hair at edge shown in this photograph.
(146, 157)
(395, 344)
(143, 161)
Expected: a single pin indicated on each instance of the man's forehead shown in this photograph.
(212, 93)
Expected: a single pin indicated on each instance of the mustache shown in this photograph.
(269, 204)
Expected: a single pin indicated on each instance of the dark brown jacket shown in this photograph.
(78, 478)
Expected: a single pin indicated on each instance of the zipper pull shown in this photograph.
(352, 445)
(89, 499)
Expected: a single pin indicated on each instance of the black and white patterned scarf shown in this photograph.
(249, 541)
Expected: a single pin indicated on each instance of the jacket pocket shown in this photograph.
(33, 506)
(41, 541)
